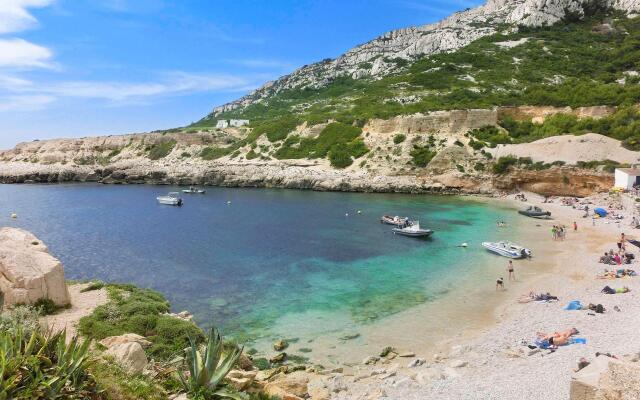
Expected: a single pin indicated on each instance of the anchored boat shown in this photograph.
(413, 230)
(507, 249)
(171, 199)
(193, 190)
(396, 221)
(535, 212)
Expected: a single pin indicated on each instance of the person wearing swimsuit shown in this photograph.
(512, 275)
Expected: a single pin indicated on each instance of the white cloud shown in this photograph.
(173, 84)
(24, 103)
(15, 17)
(117, 93)
(260, 63)
(20, 53)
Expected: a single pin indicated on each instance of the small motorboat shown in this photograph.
(396, 221)
(413, 230)
(507, 249)
(193, 190)
(535, 212)
(171, 199)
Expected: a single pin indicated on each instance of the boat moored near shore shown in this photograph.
(507, 249)
(413, 230)
(535, 212)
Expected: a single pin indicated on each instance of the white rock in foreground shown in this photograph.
(130, 356)
(27, 271)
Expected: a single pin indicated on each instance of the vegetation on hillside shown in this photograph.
(623, 125)
(340, 142)
(568, 64)
(134, 310)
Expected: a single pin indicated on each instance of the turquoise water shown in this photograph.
(267, 256)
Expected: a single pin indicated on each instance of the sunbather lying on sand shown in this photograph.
(556, 339)
(610, 290)
(616, 274)
(526, 298)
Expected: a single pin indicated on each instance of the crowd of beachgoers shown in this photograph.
(552, 323)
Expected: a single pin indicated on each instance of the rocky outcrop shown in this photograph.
(130, 356)
(556, 181)
(27, 271)
(606, 378)
(379, 56)
(112, 341)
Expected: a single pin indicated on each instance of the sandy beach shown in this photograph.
(494, 362)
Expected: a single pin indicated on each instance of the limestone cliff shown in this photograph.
(381, 56)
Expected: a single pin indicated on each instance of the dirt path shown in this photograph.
(82, 304)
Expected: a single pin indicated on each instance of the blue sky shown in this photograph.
(73, 68)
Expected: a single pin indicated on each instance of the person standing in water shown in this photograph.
(512, 275)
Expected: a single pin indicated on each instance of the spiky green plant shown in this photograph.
(43, 365)
(206, 371)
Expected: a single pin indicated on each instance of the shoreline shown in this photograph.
(485, 363)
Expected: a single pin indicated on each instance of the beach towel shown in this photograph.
(577, 340)
(574, 305)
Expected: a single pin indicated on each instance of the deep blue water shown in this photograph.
(267, 254)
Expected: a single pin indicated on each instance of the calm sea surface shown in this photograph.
(266, 256)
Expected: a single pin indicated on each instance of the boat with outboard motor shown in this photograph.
(413, 230)
(507, 249)
(535, 212)
(171, 199)
(396, 221)
(193, 190)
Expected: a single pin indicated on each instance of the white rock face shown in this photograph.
(27, 271)
(130, 356)
(376, 58)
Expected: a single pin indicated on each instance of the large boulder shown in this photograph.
(111, 341)
(606, 378)
(27, 271)
(130, 356)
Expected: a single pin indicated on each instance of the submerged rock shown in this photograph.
(280, 345)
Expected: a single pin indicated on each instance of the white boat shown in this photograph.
(172, 199)
(193, 190)
(396, 221)
(413, 230)
(507, 249)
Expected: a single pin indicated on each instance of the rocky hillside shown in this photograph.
(392, 51)
(470, 104)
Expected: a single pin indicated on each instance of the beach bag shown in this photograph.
(574, 305)
(599, 309)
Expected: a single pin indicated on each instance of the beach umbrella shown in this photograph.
(600, 211)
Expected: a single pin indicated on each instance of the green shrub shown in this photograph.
(161, 149)
(251, 155)
(276, 129)
(46, 306)
(399, 138)
(118, 384)
(213, 153)
(95, 285)
(134, 310)
(478, 167)
(421, 155)
(503, 164)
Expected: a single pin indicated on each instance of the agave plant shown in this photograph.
(206, 371)
(43, 365)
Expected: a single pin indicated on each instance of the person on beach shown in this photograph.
(557, 338)
(554, 232)
(500, 284)
(575, 226)
(512, 275)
